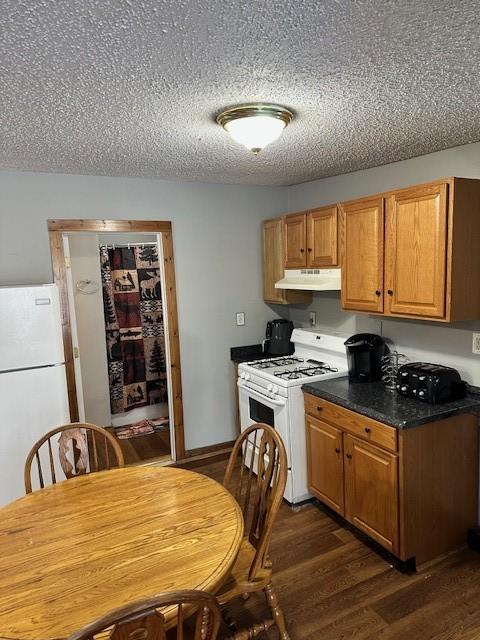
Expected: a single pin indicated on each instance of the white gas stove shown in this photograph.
(270, 391)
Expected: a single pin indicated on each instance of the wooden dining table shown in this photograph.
(73, 551)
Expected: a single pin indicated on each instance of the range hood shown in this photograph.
(310, 280)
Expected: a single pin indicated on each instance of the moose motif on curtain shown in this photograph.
(134, 327)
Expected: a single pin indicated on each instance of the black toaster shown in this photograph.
(432, 383)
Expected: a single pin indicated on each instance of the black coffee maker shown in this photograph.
(364, 356)
(277, 338)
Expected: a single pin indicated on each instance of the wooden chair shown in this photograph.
(144, 620)
(259, 492)
(73, 452)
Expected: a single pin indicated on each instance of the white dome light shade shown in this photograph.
(255, 126)
(255, 132)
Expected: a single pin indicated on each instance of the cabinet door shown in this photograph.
(371, 491)
(322, 237)
(416, 251)
(325, 463)
(362, 259)
(295, 241)
(272, 238)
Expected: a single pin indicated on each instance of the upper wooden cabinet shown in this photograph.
(295, 241)
(273, 266)
(425, 250)
(362, 260)
(311, 239)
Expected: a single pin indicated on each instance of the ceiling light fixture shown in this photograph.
(255, 125)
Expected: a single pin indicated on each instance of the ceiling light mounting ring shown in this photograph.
(255, 125)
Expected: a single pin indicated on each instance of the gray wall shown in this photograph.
(216, 232)
(429, 341)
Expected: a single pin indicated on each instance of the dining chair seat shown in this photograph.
(238, 583)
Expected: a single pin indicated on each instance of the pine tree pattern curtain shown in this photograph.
(134, 327)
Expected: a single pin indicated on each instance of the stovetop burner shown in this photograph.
(274, 362)
(305, 372)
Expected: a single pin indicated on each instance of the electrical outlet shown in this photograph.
(313, 318)
(240, 316)
(476, 343)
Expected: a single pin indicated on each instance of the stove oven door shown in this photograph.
(257, 407)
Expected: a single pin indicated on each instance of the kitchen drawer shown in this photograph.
(360, 426)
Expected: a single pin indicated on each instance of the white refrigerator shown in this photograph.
(33, 386)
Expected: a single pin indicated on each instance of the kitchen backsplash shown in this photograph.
(425, 341)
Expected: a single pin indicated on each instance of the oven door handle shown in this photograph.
(254, 392)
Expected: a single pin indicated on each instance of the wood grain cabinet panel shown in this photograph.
(295, 241)
(416, 251)
(325, 463)
(273, 266)
(371, 491)
(322, 237)
(405, 492)
(362, 259)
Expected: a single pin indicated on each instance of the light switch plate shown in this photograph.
(240, 316)
(476, 343)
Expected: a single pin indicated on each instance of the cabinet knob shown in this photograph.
(302, 250)
(337, 450)
(309, 249)
(390, 292)
(378, 292)
(319, 408)
(349, 456)
(367, 430)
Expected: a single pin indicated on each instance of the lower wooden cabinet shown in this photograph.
(415, 494)
(325, 463)
(371, 491)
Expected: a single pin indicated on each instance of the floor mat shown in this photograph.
(142, 428)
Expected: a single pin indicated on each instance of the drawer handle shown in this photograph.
(337, 450)
(367, 430)
(349, 456)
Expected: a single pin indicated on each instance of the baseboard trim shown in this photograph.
(220, 450)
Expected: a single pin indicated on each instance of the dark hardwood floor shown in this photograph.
(332, 586)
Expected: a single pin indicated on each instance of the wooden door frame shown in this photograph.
(56, 229)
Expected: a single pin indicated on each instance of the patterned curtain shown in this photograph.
(134, 329)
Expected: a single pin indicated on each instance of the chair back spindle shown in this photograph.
(258, 483)
(145, 620)
(77, 453)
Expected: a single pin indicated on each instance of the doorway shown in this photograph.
(117, 286)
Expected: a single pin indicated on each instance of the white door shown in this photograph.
(73, 326)
(31, 403)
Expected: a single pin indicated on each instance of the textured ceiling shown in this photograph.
(130, 87)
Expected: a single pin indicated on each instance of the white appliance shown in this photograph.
(270, 391)
(311, 279)
(33, 386)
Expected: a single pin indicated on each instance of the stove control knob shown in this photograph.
(404, 374)
(421, 393)
(403, 388)
(422, 378)
(247, 376)
(274, 388)
(270, 387)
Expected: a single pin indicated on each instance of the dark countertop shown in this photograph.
(246, 354)
(372, 400)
